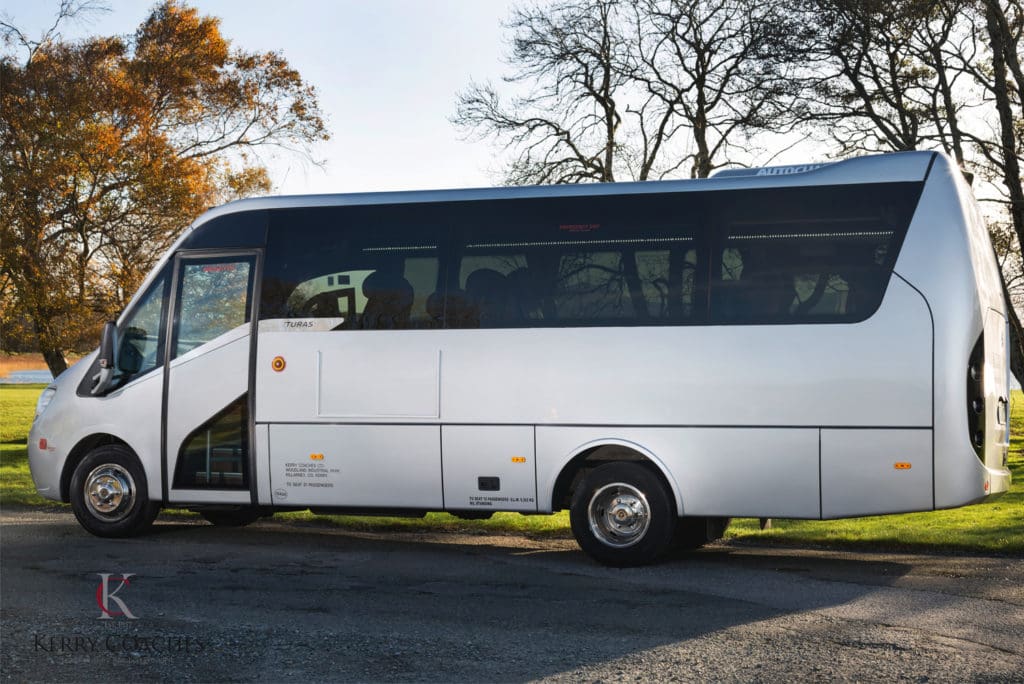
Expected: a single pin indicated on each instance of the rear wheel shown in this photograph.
(622, 514)
(109, 493)
(236, 518)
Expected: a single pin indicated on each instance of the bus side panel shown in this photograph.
(713, 471)
(348, 375)
(872, 472)
(876, 373)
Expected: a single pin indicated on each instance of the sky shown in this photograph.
(387, 72)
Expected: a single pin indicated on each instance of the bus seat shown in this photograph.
(435, 310)
(488, 295)
(389, 299)
(525, 303)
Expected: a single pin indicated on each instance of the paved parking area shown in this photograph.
(278, 602)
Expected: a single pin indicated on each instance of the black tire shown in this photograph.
(109, 493)
(236, 518)
(642, 527)
(695, 532)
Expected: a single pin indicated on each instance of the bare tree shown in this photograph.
(566, 128)
(863, 86)
(917, 74)
(1005, 24)
(722, 68)
(635, 90)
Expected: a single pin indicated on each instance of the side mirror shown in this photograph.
(108, 345)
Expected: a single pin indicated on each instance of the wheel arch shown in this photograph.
(79, 451)
(598, 452)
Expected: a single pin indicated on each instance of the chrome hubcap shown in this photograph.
(109, 492)
(619, 515)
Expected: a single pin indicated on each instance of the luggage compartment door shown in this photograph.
(489, 468)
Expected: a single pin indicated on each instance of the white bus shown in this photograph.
(806, 342)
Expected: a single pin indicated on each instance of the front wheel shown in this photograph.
(622, 514)
(109, 494)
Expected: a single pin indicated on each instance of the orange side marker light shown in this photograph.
(278, 364)
(901, 465)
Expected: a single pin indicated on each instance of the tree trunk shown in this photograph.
(48, 340)
(55, 361)
(1011, 174)
(1016, 349)
(1010, 165)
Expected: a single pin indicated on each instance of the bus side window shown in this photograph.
(373, 268)
(806, 254)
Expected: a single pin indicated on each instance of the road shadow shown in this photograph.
(275, 601)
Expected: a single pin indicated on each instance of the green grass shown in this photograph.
(17, 407)
(997, 525)
(556, 525)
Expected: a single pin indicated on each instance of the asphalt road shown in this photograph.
(277, 602)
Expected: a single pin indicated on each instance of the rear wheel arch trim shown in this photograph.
(646, 454)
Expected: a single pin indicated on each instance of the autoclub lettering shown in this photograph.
(118, 643)
(787, 170)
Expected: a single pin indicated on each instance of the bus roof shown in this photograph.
(882, 168)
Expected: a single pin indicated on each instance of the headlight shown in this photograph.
(44, 400)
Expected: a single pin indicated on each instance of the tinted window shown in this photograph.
(213, 298)
(576, 261)
(370, 268)
(142, 333)
(756, 256)
(231, 231)
(216, 454)
(808, 254)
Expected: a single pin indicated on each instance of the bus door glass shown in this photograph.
(207, 404)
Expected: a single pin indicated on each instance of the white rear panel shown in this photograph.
(870, 472)
(948, 257)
